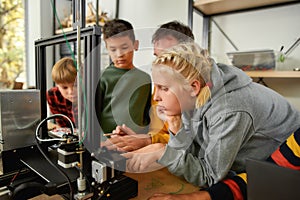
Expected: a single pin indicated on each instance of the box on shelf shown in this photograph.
(253, 60)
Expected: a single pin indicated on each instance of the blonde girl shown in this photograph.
(218, 117)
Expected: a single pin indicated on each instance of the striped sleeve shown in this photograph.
(235, 188)
(288, 154)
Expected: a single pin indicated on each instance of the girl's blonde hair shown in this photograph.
(192, 62)
(64, 71)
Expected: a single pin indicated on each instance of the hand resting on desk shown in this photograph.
(124, 139)
(144, 159)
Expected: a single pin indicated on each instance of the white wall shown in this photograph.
(146, 16)
(198, 28)
(152, 13)
(38, 23)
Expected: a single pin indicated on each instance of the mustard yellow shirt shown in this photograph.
(158, 129)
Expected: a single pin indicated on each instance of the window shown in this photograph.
(12, 43)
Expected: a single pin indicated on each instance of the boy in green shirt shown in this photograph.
(124, 90)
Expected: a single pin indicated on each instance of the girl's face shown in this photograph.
(68, 91)
(173, 98)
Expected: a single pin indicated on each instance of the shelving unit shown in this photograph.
(273, 74)
(214, 7)
(210, 8)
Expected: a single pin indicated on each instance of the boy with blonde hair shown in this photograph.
(62, 98)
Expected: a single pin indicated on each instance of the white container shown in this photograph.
(253, 60)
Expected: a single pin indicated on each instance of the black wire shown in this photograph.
(59, 170)
(51, 163)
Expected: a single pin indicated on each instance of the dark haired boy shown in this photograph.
(124, 92)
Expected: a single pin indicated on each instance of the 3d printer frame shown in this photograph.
(116, 187)
(90, 74)
(91, 37)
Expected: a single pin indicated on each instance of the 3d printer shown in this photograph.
(71, 167)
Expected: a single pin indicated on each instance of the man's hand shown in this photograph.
(198, 195)
(123, 130)
(125, 140)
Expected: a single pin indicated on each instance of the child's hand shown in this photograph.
(144, 159)
(125, 143)
(124, 139)
(52, 126)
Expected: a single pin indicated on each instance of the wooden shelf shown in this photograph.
(210, 7)
(273, 74)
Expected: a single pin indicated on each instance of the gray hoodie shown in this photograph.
(242, 120)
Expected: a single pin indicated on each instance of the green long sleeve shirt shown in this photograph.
(125, 98)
